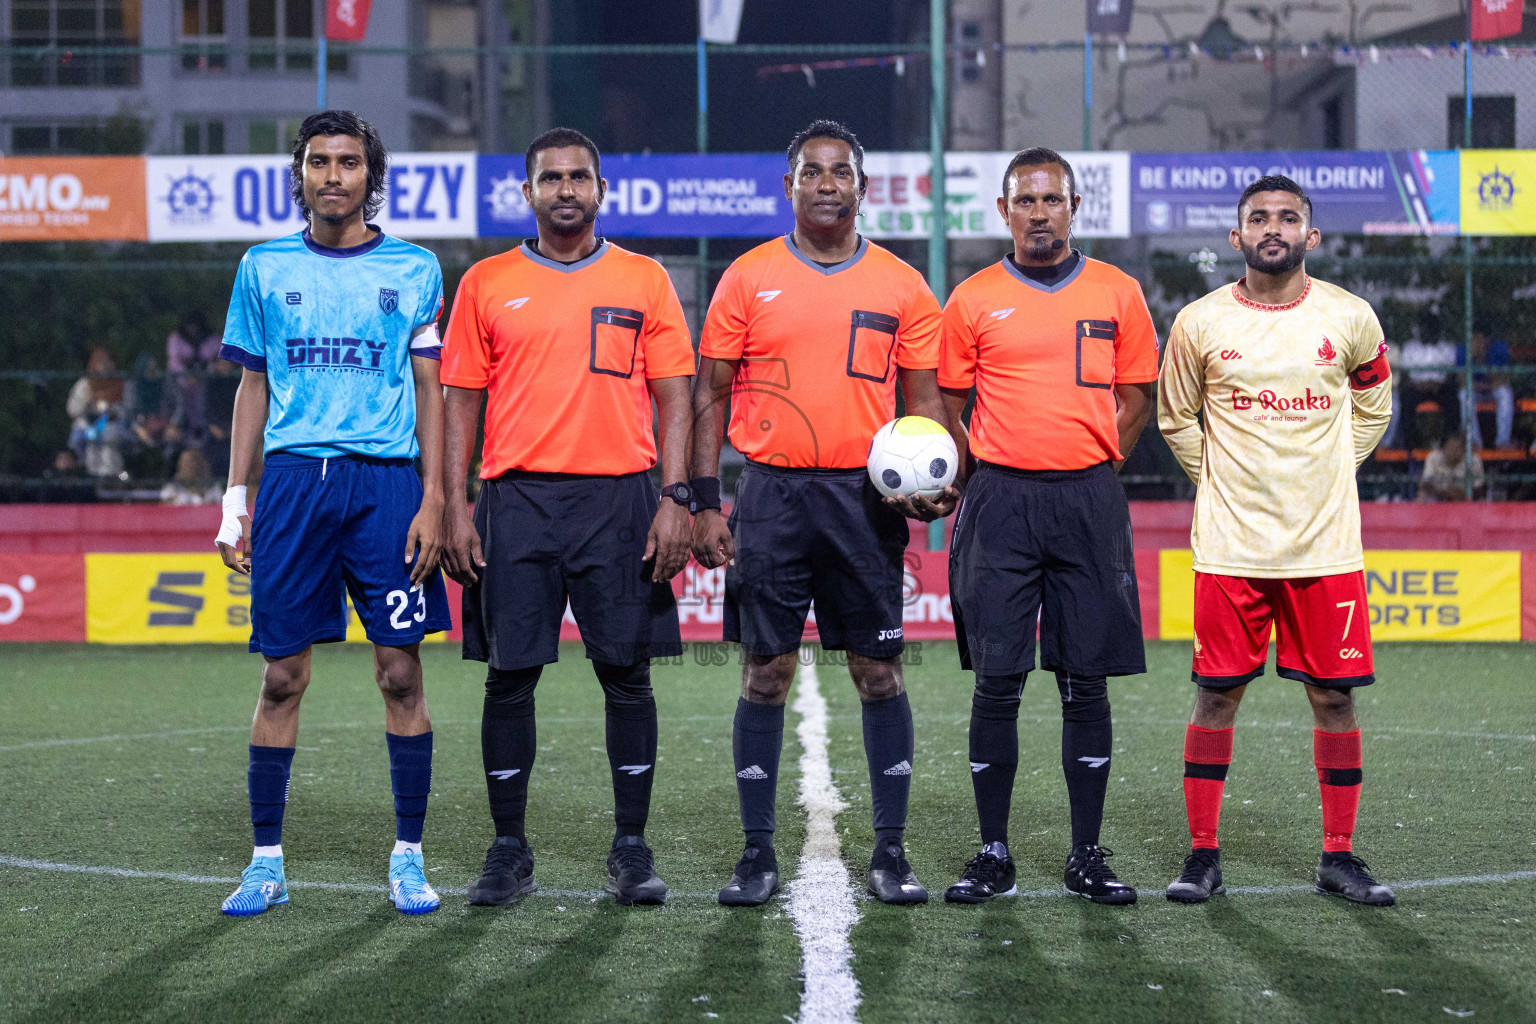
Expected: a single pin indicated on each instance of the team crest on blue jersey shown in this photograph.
(389, 300)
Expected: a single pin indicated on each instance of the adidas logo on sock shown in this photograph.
(504, 775)
(900, 768)
(635, 769)
(752, 772)
(978, 766)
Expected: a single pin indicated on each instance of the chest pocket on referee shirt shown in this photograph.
(615, 338)
(871, 339)
(1095, 353)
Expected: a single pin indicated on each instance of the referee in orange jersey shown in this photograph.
(808, 336)
(567, 339)
(1062, 353)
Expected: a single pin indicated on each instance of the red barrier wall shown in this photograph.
(1476, 526)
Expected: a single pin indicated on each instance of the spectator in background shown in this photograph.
(1494, 387)
(65, 466)
(193, 483)
(158, 437)
(1445, 471)
(188, 353)
(100, 407)
(1425, 366)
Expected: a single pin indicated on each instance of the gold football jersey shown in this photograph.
(1294, 397)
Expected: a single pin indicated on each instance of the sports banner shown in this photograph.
(174, 599)
(898, 203)
(246, 198)
(1413, 595)
(42, 597)
(1387, 193)
(665, 195)
(96, 198)
(1498, 192)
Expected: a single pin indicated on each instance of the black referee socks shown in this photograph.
(508, 743)
(631, 728)
(756, 739)
(995, 750)
(888, 746)
(1087, 738)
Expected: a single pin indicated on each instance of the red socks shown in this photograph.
(1207, 755)
(1337, 756)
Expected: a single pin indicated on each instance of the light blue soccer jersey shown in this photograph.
(331, 329)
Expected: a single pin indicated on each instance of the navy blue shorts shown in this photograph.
(821, 535)
(326, 528)
(552, 537)
(1052, 546)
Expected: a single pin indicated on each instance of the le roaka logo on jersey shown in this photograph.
(352, 354)
(1326, 353)
(1271, 402)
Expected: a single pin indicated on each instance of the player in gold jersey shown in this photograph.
(1290, 374)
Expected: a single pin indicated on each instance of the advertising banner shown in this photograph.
(665, 195)
(246, 198)
(1498, 191)
(898, 204)
(42, 597)
(1390, 193)
(174, 599)
(47, 199)
(1413, 595)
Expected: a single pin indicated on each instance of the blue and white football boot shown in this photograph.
(408, 887)
(262, 885)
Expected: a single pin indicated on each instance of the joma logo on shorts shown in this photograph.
(890, 634)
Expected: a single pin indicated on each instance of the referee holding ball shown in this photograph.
(1062, 353)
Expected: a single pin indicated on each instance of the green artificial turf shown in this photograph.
(160, 788)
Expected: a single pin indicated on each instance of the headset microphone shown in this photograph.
(1057, 244)
(843, 211)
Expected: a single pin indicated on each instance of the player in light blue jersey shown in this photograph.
(336, 328)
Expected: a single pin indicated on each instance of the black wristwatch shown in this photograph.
(680, 493)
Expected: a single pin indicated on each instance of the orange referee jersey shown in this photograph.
(564, 353)
(818, 349)
(1045, 360)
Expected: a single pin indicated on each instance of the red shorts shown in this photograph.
(1323, 626)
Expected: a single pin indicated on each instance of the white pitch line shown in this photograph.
(821, 897)
(55, 867)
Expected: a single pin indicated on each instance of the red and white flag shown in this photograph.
(346, 20)
(1495, 19)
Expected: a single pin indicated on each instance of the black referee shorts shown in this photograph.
(1053, 544)
(821, 535)
(549, 537)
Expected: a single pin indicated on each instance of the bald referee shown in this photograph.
(568, 339)
(1062, 353)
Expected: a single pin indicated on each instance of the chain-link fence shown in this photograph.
(65, 300)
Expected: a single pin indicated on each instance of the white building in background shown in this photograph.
(238, 76)
(1171, 99)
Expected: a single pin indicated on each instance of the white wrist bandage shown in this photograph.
(234, 508)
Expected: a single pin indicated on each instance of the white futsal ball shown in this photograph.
(912, 455)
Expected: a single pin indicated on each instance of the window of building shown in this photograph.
(202, 137)
(119, 134)
(1493, 121)
(202, 36)
(283, 36)
(273, 136)
(63, 24)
